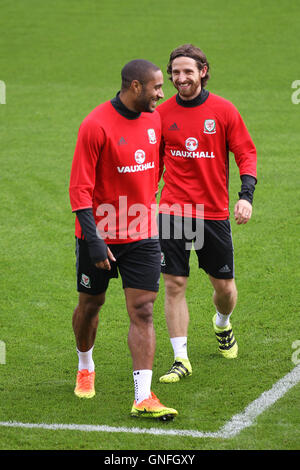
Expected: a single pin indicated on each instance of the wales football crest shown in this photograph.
(209, 126)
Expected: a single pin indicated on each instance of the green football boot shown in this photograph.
(227, 343)
(180, 369)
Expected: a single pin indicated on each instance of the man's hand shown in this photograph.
(106, 264)
(242, 211)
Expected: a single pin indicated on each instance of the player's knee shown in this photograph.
(175, 285)
(226, 288)
(91, 304)
(143, 311)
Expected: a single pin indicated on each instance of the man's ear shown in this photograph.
(136, 87)
(203, 72)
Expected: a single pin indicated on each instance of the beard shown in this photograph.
(191, 91)
(146, 103)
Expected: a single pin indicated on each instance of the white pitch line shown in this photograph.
(103, 428)
(233, 427)
(257, 407)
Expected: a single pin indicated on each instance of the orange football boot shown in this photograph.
(152, 408)
(85, 384)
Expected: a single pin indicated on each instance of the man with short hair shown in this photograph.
(113, 183)
(198, 131)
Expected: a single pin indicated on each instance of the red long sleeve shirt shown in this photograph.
(115, 172)
(196, 141)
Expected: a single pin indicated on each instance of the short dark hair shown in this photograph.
(189, 50)
(138, 69)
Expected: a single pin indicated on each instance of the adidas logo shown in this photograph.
(174, 127)
(225, 269)
(122, 141)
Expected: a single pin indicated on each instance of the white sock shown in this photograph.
(180, 347)
(85, 360)
(142, 384)
(222, 320)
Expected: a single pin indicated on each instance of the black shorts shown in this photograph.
(138, 263)
(215, 252)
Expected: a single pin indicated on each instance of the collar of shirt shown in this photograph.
(121, 108)
(200, 99)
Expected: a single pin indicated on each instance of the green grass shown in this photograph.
(59, 59)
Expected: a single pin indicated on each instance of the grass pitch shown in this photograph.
(60, 59)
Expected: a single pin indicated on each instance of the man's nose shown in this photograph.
(181, 77)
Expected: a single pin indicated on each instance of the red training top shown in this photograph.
(115, 172)
(196, 140)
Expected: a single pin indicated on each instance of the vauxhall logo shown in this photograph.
(140, 157)
(191, 144)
